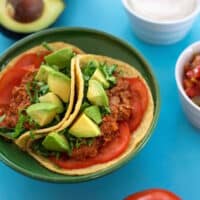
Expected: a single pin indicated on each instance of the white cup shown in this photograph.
(160, 32)
(191, 110)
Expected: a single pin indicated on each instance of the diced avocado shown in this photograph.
(60, 85)
(96, 94)
(61, 58)
(55, 142)
(50, 97)
(93, 113)
(42, 74)
(42, 113)
(98, 76)
(84, 127)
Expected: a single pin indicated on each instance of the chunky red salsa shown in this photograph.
(191, 79)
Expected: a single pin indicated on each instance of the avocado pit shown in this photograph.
(25, 11)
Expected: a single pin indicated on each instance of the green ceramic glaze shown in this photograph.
(91, 41)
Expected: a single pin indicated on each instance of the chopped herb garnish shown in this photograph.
(19, 128)
(84, 105)
(105, 110)
(90, 142)
(31, 132)
(108, 72)
(88, 70)
(47, 46)
(35, 89)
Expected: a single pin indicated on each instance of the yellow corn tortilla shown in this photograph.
(136, 138)
(56, 46)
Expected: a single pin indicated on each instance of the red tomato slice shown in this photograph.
(139, 102)
(137, 113)
(9, 81)
(153, 194)
(109, 152)
(14, 75)
(30, 59)
(138, 86)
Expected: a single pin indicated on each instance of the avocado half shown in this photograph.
(51, 11)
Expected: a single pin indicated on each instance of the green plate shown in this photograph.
(90, 41)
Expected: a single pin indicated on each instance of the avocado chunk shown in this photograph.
(98, 76)
(55, 142)
(61, 58)
(42, 74)
(42, 113)
(93, 113)
(51, 9)
(96, 94)
(60, 85)
(50, 97)
(84, 127)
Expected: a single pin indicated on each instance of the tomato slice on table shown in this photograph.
(139, 102)
(15, 74)
(153, 194)
(109, 152)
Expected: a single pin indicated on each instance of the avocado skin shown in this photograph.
(93, 113)
(55, 142)
(84, 127)
(56, 7)
(42, 113)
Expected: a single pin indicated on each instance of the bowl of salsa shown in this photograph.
(187, 75)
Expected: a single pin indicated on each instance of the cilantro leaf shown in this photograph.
(47, 46)
(108, 72)
(19, 128)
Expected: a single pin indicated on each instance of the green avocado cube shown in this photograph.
(42, 74)
(93, 113)
(55, 142)
(50, 97)
(42, 113)
(61, 58)
(98, 76)
(59, 84)
(84, 127)
(96, 94)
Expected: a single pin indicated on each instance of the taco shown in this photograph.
(37, 90)
(116, 111)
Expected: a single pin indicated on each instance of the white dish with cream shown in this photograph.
(162, 21)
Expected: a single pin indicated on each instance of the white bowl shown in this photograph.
(160, 32)
(191, 109)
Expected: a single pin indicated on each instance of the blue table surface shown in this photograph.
(170, 160)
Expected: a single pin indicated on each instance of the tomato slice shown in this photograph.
(30, 59)
(138, 87)
(109, 152)
(139, 102)
(153, 194)
(14, 75)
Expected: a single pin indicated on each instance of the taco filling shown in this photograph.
(113, 107)
(35, 90)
